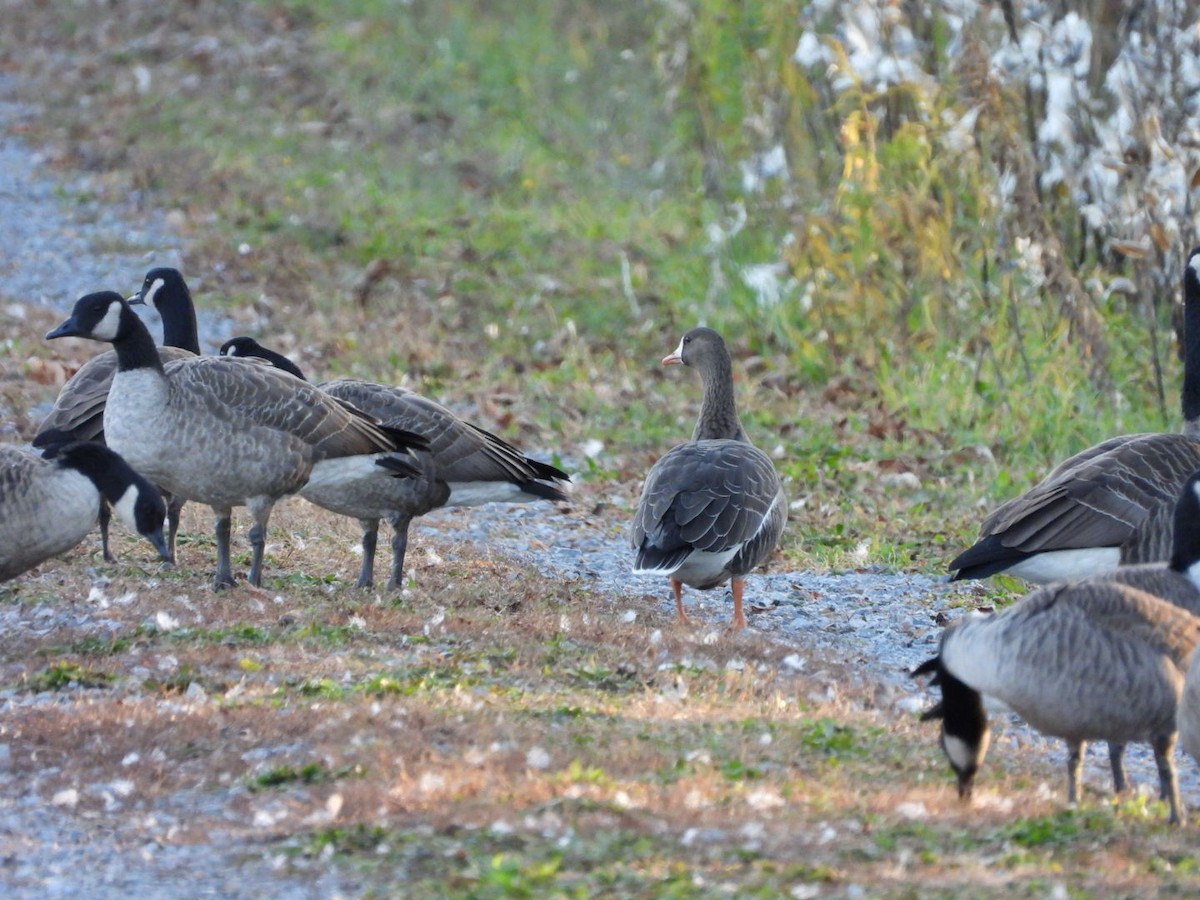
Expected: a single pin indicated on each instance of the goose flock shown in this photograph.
(1101, 650)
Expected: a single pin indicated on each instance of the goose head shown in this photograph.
(248, 347)
(134, 499)
(965, 732)
(160, 284)
(101, 316)
(701, 348)
(164, 289)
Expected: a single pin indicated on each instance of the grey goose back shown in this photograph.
(1102, 658)
(464, 465)
(226, 432)
(1106, 506)
(78, 413)
(49, 503)
(713, 508)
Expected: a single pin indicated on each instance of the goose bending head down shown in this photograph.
(1108, 505)
(1090, 660)
(49, 503)
(712, 509)
(78, 412)
(464, 465)
(225, 432)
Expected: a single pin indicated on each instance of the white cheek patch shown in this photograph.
(155, 287)
(125, 507)
(106, 329)
(1194, 265)
(959, 752)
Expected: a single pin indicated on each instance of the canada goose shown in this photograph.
(712, 509)
(1177, 581)
(1090, 660)
(464, 466)
(224, 432)
(78, 412)
(1106, 506)
(49, 503)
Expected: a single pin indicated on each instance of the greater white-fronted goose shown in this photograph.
(226, 432)
(49, 503)
(464, 465)
(78, 413)
(1109, 505)
(712, 509)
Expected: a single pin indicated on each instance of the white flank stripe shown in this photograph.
(700, 565)
(1067, 565)
(477, 493)
(346, 469)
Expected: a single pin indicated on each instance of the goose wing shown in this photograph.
(711, 496)
(1099, 498)
(462, 452)
(256, 395)
(78, 413)
(16, 468)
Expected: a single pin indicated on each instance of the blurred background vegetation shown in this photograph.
(945, 238)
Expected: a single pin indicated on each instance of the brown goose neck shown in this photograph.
(718, 410)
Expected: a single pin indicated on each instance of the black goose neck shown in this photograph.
(718, 410)
(179, 319)
(1191, 345)
(105, 469)
(134, 346)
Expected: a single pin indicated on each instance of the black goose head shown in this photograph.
(249, 347)
(160, 282)
(965, 733)
(165, 290)
(136, 501)
(101, 316)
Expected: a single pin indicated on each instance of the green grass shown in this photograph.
(542, 182)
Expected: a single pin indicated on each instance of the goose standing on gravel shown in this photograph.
(1098, 659)
(226, 433)
(1176, 581)
(464, 465)
(711, 509)
(1106, 506)
(78, 413)
(49, 503)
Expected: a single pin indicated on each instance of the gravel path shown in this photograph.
(58, 245)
